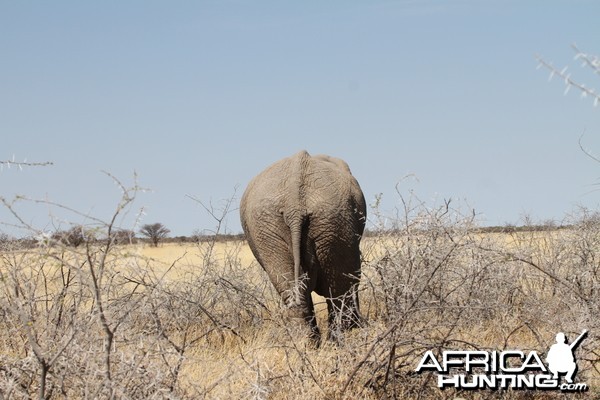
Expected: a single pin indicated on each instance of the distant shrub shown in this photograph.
(6, 242)
(123, 236)
(75, 237)
(199, 236)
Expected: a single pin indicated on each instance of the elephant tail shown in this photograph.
(296, 213)
(296, 225)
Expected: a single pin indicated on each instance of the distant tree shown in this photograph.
(155, 232)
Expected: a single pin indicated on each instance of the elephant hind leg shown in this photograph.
(343, 315)
(305, 312)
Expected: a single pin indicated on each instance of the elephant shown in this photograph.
(304, 217)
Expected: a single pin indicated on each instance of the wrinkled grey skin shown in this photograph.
(304, 217)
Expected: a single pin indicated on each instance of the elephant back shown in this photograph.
(305, 185)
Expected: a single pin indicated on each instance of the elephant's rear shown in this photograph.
(306, 215)
(315, 197)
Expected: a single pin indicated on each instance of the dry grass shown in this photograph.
(202, 321)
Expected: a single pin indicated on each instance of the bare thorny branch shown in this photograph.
(590, 61)
(22, 164)
(218, 214)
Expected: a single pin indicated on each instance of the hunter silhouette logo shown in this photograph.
(508, 369)
(560, 356)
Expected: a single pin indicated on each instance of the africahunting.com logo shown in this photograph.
(510, 369)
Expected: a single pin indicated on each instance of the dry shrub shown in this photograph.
(101, 321)
(436, 282)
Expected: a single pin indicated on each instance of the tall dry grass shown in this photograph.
(110, 321)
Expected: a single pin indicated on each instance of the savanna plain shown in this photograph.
(193, 320)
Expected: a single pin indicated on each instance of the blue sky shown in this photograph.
(198, 97)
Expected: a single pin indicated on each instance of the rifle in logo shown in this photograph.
(560, 357)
